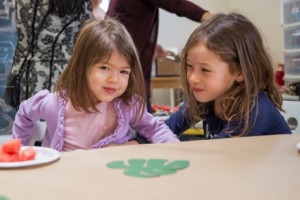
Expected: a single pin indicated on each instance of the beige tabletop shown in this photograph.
(264, 167)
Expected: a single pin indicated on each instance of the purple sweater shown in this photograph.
(51, 108)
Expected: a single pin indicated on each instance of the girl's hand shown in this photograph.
(160, 52)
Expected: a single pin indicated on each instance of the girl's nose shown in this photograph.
(194, 77)
(113, 78)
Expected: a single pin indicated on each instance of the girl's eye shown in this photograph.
(189, 66)
(104, 68)
(205, 70)
(126, 72)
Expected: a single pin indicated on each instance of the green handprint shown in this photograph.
(3, 198)
(149, 168)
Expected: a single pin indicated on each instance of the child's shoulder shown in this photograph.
(43, 100)
(47, 97)
(45, 94)
(265, 104)
(264, 99)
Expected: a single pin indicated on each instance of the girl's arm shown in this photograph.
(30, 111)
(151, 128)
(178, 122)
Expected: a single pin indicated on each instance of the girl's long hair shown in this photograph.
(238, 43)
(96, 42)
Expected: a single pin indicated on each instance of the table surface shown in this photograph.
(263, 167)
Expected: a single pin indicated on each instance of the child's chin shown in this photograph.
(106, 100)
(202, 100)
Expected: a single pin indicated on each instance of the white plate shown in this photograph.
(43, 155)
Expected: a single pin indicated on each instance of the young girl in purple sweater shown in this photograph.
(97, 99)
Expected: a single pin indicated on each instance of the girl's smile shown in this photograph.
(110, 90)
(197, 90)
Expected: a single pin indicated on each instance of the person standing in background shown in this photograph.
(46, 31)
(141, 18)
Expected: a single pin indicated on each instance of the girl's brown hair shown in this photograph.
(238, 43)
(96, 42)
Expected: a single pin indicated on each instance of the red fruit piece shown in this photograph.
(12, 146)
(6, 157)
(28, 154)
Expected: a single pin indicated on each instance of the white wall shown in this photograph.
(174, 31)
(265, 14)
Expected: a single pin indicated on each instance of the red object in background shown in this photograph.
(279, 77)
(279, 74)
(165, 108)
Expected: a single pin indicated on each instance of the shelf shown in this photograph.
(290, 12)
(290, 16)
(291, 78)
(291, 50)
(287, 97)
(289, 25)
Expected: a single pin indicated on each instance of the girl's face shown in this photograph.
(208, 76)
(108, 79)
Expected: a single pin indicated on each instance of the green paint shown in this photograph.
(3, 198)
(149, 168)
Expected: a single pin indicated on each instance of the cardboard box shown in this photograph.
(169, 66)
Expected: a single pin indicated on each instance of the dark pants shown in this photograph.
(148, 101)
(140, 139)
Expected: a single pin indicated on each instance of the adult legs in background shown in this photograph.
(149, 109)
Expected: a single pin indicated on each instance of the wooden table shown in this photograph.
(263, 167)
(172, 83)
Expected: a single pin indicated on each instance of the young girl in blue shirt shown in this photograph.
(228, 82)
(98, 97)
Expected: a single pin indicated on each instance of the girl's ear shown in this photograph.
(239, 77)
